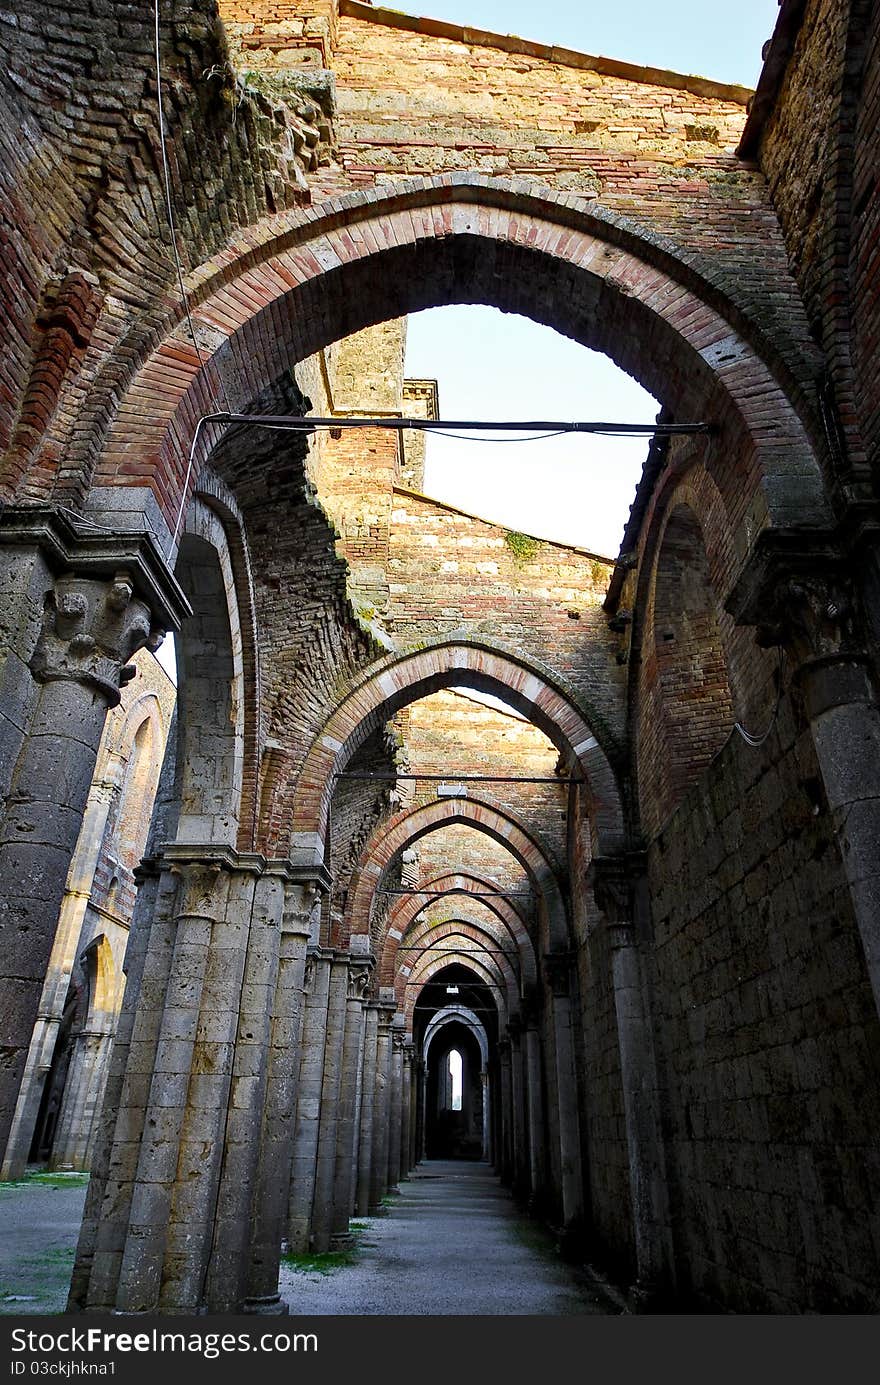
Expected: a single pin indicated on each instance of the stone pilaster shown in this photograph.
(299, 921)
(559, 971)
(805, 602)
(519, 1131)
(407, 1124)
(359, 971)
(619, 887)
(368, 1110)
(382, 1098)
(395, 1112)
(180, 1177)
(505, 1161)
(325, 1171)
(77, 891)
(316, 987)
(534, 1098)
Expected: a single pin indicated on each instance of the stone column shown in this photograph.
(308, 1103)
(421, 1109)
(328, 1126)
(381, 1108)
(227, 1281)
(558, 967)
(91, 626)
(364, 1180)
(520, 1182)
(148, 960)
(486, 1150)
(406, 1129)
(534, 1096)
(81, 1104)
(299, 922)
(395, 1102)
(358, 971)
(616, 885)
(807, 604)
(169, 1236)
(505, 1164)
(77, 892)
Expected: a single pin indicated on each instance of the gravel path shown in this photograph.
(451, 1243)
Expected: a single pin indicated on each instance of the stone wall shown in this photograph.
(769, 1039)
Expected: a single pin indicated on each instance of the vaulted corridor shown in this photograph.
(451, 1243)
(451, 841)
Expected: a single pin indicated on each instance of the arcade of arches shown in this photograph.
(462, 844)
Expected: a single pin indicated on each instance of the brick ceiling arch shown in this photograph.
(280, 297)
(433, 933)
(405, 914)
(397, 681)
(503, 988)
(408, 826)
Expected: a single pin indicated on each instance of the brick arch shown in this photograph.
(408, 826)
(405, 913)
(301, 282)
(687, 486)
(395, 682)
(477, 930)
(484, 972)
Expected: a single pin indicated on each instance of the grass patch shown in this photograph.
(328, 1261)
(44, 1179)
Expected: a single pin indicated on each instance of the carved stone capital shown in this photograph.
(558, 968)
(197, 888)
(612, 883)
(360, 970)
(811, 616)
(91, 628)
(798, 595)
(398, 1040)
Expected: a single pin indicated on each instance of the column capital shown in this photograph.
(360, 972)
(558, 967)
(797, 592)
(71, 544)
(91, 628)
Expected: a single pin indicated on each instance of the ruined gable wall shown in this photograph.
(653, 148)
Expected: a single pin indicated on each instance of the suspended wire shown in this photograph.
(554, 428)
(475, 437)
(747, 736)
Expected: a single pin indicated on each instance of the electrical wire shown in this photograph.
(747, 736)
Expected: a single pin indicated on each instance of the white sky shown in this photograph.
(489, 365)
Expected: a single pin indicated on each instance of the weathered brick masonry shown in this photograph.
(677, 960)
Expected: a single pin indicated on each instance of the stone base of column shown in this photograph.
(268, 1306)
(572, 1243)
(646, 1296)
(341, 1240)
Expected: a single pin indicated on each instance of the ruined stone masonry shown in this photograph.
(332, 908)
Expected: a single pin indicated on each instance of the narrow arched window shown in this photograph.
(455, 1079)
